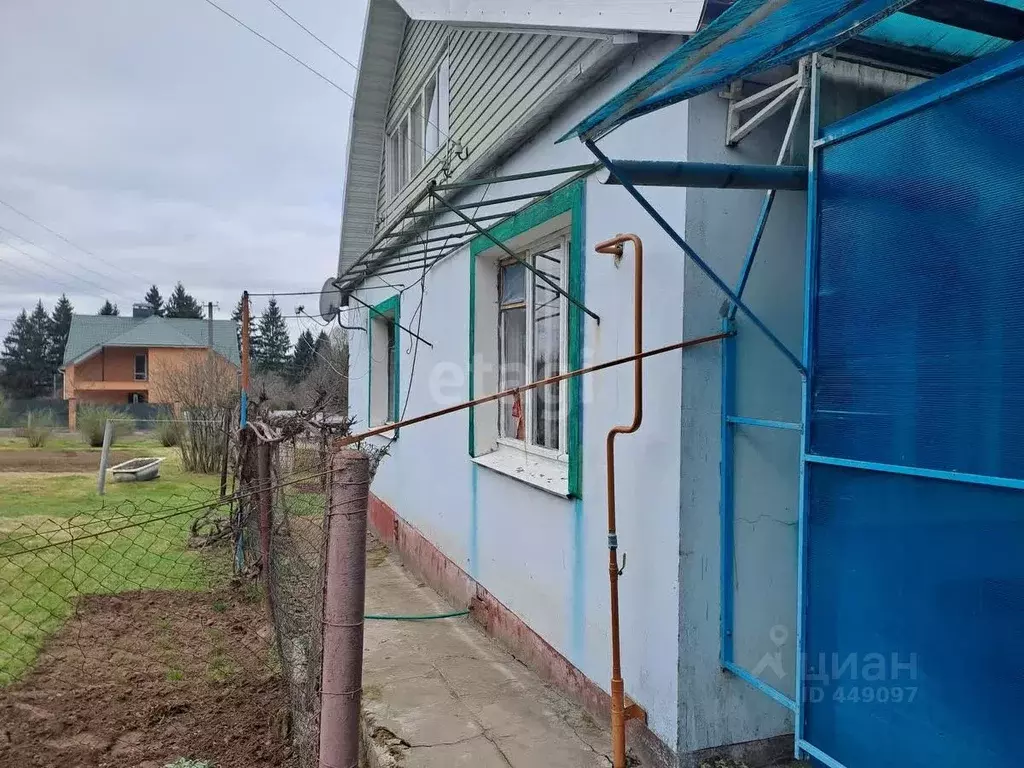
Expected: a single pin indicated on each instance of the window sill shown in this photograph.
(541, 472)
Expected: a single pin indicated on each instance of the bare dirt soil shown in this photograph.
(59, 461)
(138, 680)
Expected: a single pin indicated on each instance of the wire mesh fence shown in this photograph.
(179, 613)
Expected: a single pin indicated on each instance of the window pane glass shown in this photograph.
(512, 370)
(403, 154)
(394, 160)
(416, 139)
(513, 284)
(547, 347)
(431, 101)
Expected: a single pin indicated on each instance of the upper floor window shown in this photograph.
(141, 366)
(420, 132)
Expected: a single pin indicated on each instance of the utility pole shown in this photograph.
(245, 358)
(209, 326)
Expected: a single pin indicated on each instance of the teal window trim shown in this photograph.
(569, 199)
(391, 310)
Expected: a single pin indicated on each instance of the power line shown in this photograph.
(306, 66)
(27, 271)
(81, 279)
(67, 240)
(291, 56)
(309, 32)
(34, 244)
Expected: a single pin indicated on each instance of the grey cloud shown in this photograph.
(173, 144)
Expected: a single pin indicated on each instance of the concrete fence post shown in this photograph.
(344, 604)
(108, 438)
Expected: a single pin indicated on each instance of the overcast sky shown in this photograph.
(173, 145)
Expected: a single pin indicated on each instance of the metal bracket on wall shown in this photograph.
(776, 96)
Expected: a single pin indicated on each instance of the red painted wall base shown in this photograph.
(431, 565)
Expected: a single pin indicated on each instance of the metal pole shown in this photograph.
(244, 404)
(391, 320)
(618, 696)
(537, 273)
(108, 438)
(351, 439)
(517, 177)
(344, 605)
(209, 325)
(224, 458)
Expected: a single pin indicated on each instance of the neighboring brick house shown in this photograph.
(122, 360)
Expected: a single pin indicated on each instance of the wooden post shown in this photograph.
(341, 676)
(108, 438)
(244, 406)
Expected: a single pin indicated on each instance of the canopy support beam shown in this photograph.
(656, 173)
(627, 183)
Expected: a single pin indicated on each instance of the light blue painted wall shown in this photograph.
(542, 556)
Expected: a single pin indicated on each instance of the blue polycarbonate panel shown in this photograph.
(915, 621)
(914, 32)
(1006, 63)
(752, 36)
(919, 330)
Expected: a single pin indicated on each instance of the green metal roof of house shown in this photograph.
(90, 333)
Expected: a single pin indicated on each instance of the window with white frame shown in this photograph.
(420, 132)
(532, 334)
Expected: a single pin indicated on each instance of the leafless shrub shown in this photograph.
(203, 391)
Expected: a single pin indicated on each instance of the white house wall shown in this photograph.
(543, 556)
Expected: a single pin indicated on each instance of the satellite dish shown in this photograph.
(330, 300)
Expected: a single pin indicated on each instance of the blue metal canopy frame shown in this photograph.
(973, 75)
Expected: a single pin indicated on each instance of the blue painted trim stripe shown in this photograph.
(726, 502)
(760, 685)
(768, 423)
(983, 71)
(933, 474)
(755, 242)
(818, 755)
(810, 261)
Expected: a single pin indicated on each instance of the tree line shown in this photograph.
(270, 349)
(181, 304)
(33, 350)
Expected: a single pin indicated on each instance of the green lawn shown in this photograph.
(59, 540)
(72, 441)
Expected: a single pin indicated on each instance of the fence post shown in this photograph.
(224, 458)
(344, 603)
(265, 497)
(108, 438)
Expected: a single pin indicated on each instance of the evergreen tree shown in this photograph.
(37, 350)
(271, 351)
(182, 304)
(304, 357)
(155, 301)
(16, 378)
(322, 343)
(60, 326)
(109, 309)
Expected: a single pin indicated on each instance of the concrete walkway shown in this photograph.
(440, 694)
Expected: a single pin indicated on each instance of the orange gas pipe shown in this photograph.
(619, 712)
